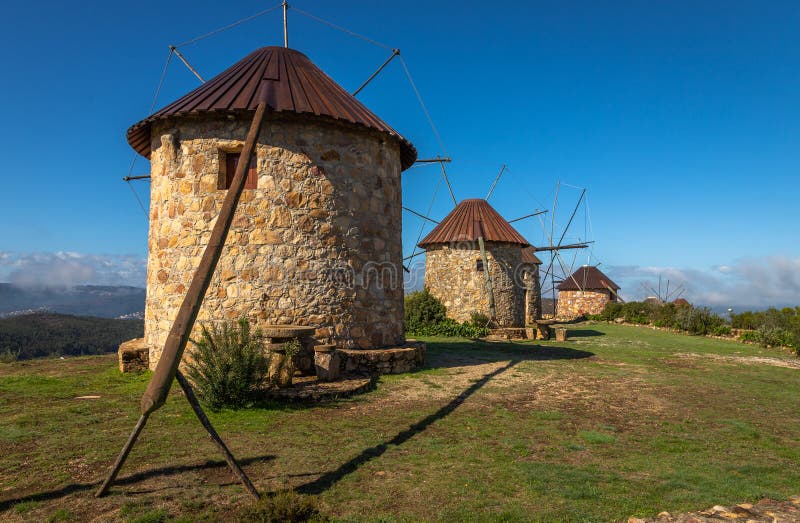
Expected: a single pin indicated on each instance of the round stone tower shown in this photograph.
(455, 271)
(316, 238)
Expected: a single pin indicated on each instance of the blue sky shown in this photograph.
(682, 120)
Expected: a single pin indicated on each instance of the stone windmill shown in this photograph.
(472, 264)
(275, 195)
(316, 238)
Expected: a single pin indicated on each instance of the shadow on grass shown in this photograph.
(329, 479)
(584, 333)
(447, 354)
(127, 480)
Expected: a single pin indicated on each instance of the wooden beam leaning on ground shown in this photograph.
(158, 388)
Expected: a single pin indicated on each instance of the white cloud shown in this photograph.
(751, 282)
(67, 269)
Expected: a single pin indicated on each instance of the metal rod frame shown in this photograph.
(186, 63)
(537, 213)
(412, 211)
(395, 52)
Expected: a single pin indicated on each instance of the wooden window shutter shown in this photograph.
(231, 161)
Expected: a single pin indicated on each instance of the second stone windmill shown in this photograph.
(476, 262)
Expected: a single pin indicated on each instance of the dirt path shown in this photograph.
(744, 360)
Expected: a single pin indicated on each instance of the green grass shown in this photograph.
(616, 422)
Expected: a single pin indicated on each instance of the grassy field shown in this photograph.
(617, 421)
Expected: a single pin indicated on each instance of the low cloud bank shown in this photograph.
(771, 281)
(67, 269)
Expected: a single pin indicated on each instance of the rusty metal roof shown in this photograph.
(467, 220)
(587, 278)
(528, 256)
(296, 86)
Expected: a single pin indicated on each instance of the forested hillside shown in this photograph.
(45, 334)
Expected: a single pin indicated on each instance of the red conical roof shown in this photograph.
(470, 219)
(587, 278)
(296, 86)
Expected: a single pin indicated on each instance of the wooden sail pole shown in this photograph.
(157, 390)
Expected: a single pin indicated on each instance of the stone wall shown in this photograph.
(451, 275)
(572, 304)
(317, 243)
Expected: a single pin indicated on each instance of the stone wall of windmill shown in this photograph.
(455, 274)
(454, 265)
(315, 243)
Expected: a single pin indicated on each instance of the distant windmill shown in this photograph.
(663, 294)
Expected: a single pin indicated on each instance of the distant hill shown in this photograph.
(45, 334)
(83, 300)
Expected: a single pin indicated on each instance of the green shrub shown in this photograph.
(722, 330)
(479, 319)
(636, 312)
(749, 336)
(697, 320)
(611, 311)
(771, 327)
(422, 310)
(286, 506)
(451, 328)
(774, 337)
(227, 364)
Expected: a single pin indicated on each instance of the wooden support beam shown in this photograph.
(438, 159)
(563, 247)
(167, 369)
(198, 411)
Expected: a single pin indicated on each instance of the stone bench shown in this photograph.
(277, 335)
(393, 360)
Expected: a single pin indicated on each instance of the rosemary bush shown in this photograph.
(228, 364)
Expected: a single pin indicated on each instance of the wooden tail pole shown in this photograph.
(167, 368)
(489, 288)
(198, 410)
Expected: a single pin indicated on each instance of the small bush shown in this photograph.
(611, 311)
(479, 319)
(282, 507)
(749, 336)
(451, 328)
(423, 309)
(774, 337)
(227, 364)
(636, 312)
(722, 330)
(697, 320)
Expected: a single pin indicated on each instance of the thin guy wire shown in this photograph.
(229, 26)
(161, 81)
(342, 29)
(422, 104)
(152, 106)
(138, 200)
(427, 213)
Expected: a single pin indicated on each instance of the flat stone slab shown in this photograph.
(390, 360)
(286, 331)
(309, 389)
(509, 333)
(134, 355)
